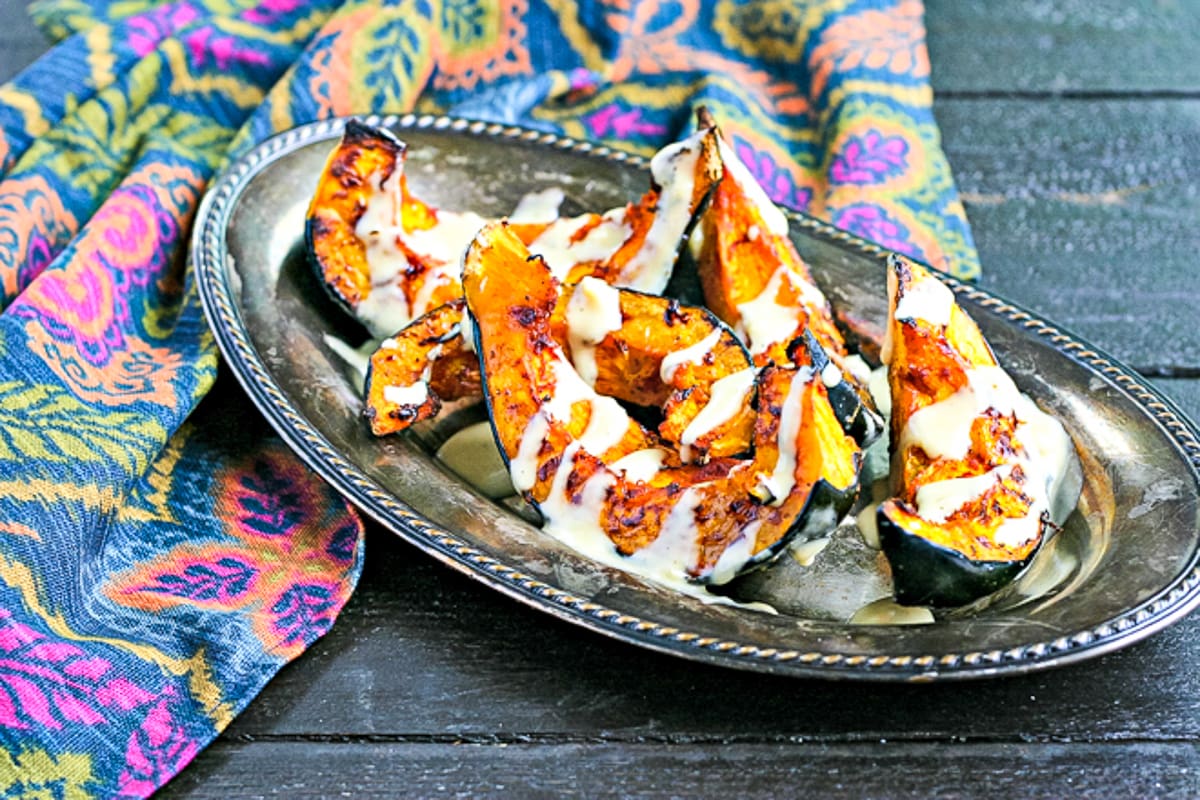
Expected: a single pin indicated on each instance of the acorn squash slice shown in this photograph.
(755, 281)
(604, 483)
(982, 476)
(659, 353)
(363, 161)
(413, 372)
(850, 399)
(355, 231)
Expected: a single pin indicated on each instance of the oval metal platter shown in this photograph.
(1124, 566)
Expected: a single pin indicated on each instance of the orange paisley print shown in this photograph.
(481, 44)
(333, 71)
(81, 318)
(33, 226)
(650, 46)
(876, 40)
(140, 372)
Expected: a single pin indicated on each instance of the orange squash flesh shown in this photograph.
(629, 364)
(367, 165)
(738, 258)
(929, 364)
(512, 299)
(516, 299)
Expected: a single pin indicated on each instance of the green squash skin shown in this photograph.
(310, 255)
(927, 574)
(860, 422)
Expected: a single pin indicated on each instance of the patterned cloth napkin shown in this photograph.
(160, 557)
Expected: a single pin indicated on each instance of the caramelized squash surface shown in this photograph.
(563, 440)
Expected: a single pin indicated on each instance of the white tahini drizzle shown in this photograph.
(674, 172)
(943, 429)
(538, 207)
(736, 555)
(413, 395)
(764, 321)
(774, 218)
(936, 501)
(385, 308)
(593, 311)
(442, 248)
(929, 300)
(693, 354)
(926, 299)
(640, 465)
(676, 547)
(783, 477)
(727, 397)
(561, 250)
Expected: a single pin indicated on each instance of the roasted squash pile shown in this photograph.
(695, 442)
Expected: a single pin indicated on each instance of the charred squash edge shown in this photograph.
(355, 133)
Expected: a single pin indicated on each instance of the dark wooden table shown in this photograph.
(1074, 131)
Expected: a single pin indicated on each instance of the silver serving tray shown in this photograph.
(1124, 566)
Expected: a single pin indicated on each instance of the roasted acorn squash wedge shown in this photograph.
(413, 372)
(387, 257)
(601, 480)
(384, 255)
(659, 353)
(363, 161)
(980, 472)
(754, 280)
